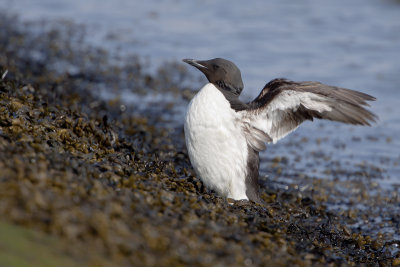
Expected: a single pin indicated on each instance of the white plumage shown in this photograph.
(216, 143)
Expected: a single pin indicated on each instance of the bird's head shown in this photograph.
(221, 72)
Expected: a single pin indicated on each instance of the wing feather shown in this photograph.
(283, 105)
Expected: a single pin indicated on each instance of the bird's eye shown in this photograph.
(215, 66)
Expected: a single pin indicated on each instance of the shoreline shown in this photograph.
(79, 168)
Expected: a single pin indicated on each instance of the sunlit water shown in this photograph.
(352, 44)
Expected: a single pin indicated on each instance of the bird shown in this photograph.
(224, 135)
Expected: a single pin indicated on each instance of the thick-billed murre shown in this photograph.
(224, 135)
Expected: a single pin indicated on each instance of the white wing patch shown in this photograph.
(278, 118)
(290, 101)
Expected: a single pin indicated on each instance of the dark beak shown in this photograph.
(195, 63)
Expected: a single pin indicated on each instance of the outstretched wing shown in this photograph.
(283, 105)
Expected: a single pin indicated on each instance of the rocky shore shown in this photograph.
(113, 187)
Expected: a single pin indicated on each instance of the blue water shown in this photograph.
(353, 44)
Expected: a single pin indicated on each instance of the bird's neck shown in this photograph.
(231, 94)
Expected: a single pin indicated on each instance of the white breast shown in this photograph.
(216, 143)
